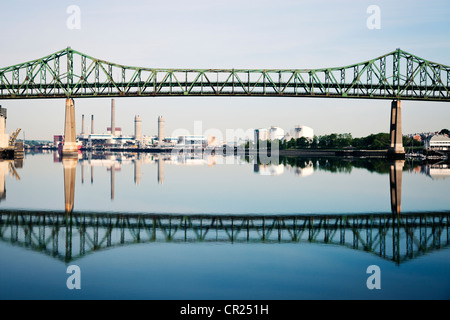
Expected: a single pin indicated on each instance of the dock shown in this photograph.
(13, 152)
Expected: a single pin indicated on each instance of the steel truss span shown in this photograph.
(68, 237)
(72, 74)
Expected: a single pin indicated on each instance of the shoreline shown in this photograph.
(352, 153)
(286, 153)
(335, 153)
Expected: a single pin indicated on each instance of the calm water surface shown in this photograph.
(153, 226)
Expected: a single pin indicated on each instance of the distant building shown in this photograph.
(122, 140)
(57, 140)
(438, 142)
(4, 137)
(117, 131)
(171, 140)
(276, 133)
(192, 141)
(103, 139)
(302, 132)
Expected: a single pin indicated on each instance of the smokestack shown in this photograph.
(82, 124)
(160, 129)
(92, 124)
(137, 128)
(113, 120)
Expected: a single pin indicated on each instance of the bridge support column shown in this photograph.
(70, 144)
(396, 149)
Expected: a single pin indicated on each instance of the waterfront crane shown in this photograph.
(13, 137)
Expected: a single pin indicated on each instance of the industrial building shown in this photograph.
(114, 137)
(9, 147)
(4, 137)
(192, 141)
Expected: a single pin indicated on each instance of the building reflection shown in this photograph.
(302, 168)
(114, 162)
(436, 171)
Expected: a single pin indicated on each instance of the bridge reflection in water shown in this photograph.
(68, 237)
(392, 236)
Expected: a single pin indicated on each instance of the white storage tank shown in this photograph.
(276, 133)
(302, 131)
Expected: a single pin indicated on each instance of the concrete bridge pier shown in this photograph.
(396, 150)
(70, 143)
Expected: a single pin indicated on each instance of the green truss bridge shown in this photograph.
(72, 74)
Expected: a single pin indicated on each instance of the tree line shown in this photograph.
(378, 141)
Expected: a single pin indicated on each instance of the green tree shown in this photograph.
(444, 131)
(302, 143)
(315, 142)
(291, 143)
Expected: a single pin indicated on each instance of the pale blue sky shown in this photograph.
(226, 34)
